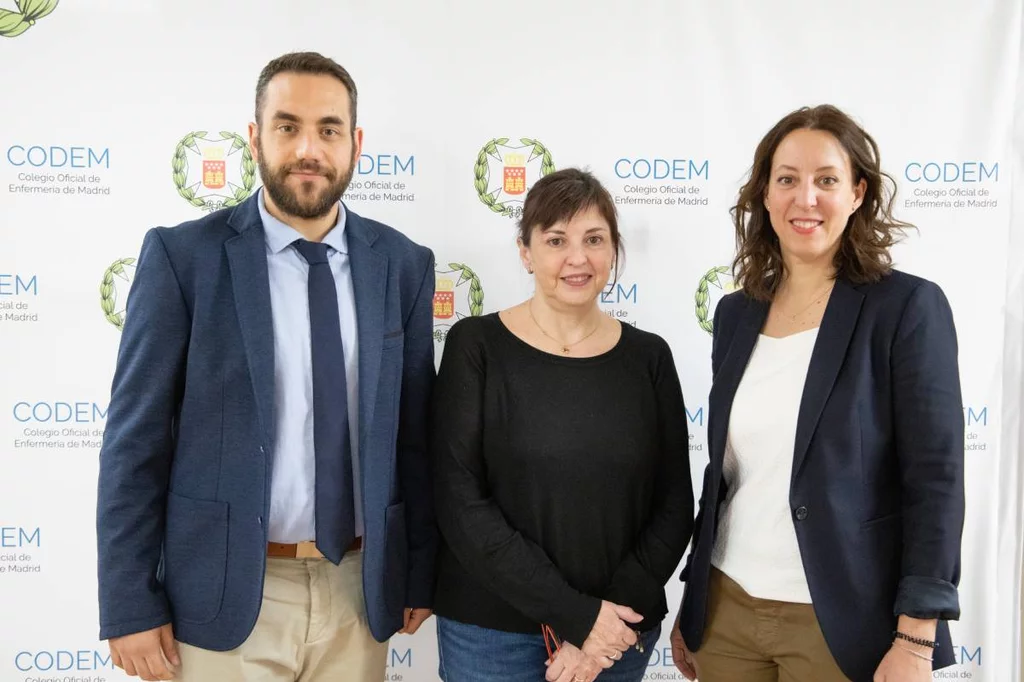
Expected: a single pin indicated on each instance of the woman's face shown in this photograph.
(811, 196)
(572, 260)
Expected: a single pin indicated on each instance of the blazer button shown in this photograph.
(801, 513)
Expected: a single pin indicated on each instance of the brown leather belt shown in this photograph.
(304, 550)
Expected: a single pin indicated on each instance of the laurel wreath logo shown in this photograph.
(179, 164)
(476, 291)
(476, 294)
(482, 171)
(108, 294)
(13, 24)
(711, 277)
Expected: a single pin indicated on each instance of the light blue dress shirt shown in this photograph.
(292, 498)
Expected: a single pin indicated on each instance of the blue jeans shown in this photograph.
(469, 653)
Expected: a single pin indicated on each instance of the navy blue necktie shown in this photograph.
(335, 511)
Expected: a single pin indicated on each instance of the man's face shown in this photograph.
(305, 144)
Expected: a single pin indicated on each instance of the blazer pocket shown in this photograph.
(395, 338)
(882, 520)
(195, 557)
(396, 558)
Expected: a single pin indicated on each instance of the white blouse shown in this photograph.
(756, 543)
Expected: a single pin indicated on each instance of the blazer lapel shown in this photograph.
(834, 336)
(247, 259)
(723, 390)
(369, 284)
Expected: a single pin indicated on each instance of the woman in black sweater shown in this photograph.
(562, 473)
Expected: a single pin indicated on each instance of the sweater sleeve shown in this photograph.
(660, 546)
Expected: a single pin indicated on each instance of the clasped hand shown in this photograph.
(608, 639)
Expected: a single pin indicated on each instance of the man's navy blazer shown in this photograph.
(184, 482)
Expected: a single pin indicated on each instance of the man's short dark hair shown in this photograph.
(306, 62)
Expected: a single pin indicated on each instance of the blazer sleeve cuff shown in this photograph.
(927, 598)
(131, 627)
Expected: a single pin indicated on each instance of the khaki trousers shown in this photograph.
(747, 639)
(311, 628)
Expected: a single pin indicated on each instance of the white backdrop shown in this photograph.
(121, 114)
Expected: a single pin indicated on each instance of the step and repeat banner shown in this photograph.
(119, 115)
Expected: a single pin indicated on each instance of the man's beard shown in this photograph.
(305, 203)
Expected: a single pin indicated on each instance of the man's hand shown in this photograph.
(151, 655)
(414, 618)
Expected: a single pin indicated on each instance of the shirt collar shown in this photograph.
(280, 236)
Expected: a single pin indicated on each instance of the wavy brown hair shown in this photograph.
(863, 254)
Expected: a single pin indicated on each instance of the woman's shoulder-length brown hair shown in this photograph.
(863, 254)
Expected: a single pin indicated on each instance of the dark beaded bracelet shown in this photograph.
(915, 640)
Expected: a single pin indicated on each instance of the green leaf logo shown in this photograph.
(13, 24)
(212, 173)
(117, 279)
(451, 301)
(719, 278)
(513, 166)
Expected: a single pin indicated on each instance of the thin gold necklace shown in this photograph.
(793, 317)
(565, 346)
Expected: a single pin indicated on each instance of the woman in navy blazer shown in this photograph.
(827, 544)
